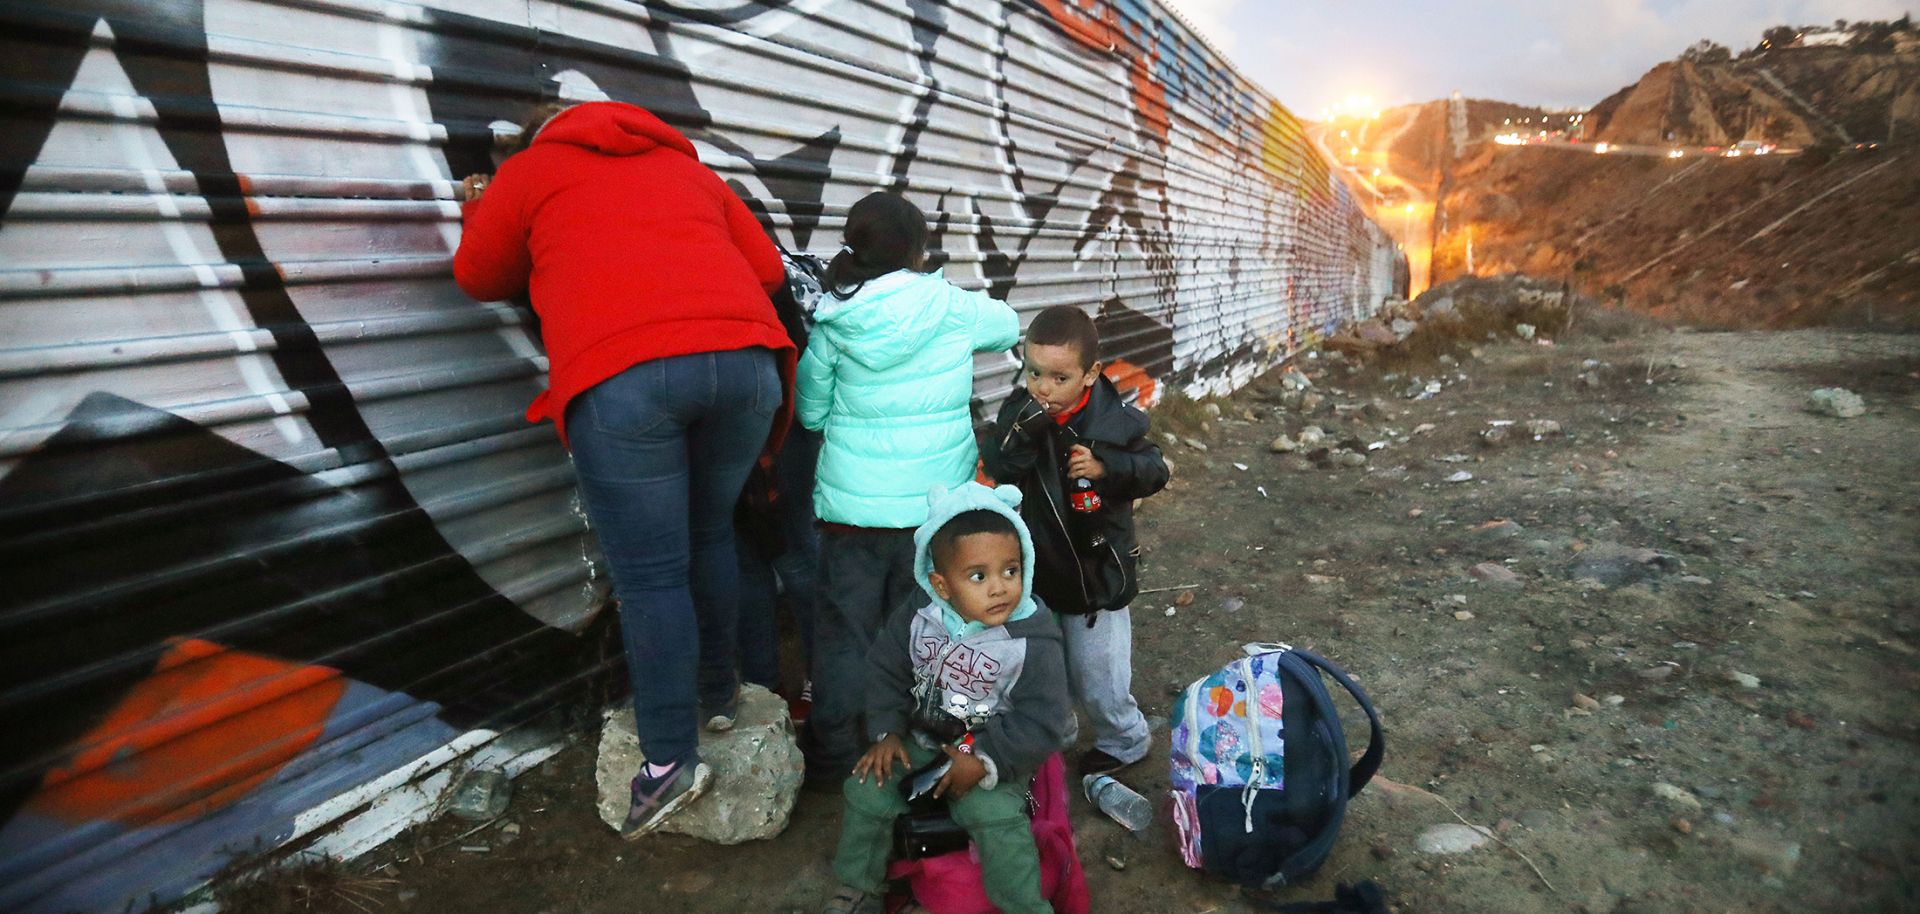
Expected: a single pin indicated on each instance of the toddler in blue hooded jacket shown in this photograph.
(977, 674)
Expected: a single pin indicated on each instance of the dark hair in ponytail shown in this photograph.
(885, 232)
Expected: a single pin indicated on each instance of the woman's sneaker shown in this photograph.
(655, 799)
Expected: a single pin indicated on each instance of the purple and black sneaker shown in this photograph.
(654, 799)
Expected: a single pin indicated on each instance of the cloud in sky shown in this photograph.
(1561, 52)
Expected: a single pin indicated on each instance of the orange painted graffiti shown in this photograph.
(1127, 376)
(208, 726)
(1097, 24)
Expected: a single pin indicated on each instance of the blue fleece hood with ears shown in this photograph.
(943, 505)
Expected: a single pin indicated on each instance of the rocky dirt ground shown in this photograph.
(1666, 653)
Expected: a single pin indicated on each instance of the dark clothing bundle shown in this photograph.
(1087, 562)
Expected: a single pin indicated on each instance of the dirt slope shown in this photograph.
(1798, 97)
(1749, 242)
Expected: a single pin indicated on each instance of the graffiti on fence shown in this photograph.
(273, 530)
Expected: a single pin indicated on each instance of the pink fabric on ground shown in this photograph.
(950, 883)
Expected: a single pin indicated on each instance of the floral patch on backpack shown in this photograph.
(1227, 733)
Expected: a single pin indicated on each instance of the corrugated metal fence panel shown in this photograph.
(271, 525)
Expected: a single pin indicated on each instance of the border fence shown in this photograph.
(280, 556)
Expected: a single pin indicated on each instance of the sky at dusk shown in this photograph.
(1569, 53)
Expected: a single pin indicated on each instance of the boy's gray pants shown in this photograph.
(1100, 674)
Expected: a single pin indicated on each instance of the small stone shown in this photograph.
(1656, 673)
(1170, 438)
(1451, 838)
(1585, 702)
(1415, 512)
(1743, 680)
(1836, 401)
(1497, 436)
(481, 794)
(1233, 605)
(1381, 850)
(1195, 443)
(1170, 611)
(1184, 599)
(1682, 825)
(1499, 529)
(1349, 459)
(1115, 853)
(1464, 615)
(1283, 445)
(1320, 580)
(1524, 331)
(1461, 476)
(1614, 701)
(1539, 546)
(1312, 436)
(1694, 579)
(1495, 574)
(1541, 428)
(1212, 409)
(1678, 797)
(1774, 855)
(1424, 428)
(1536, 819)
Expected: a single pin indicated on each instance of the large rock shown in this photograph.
(1836, 401)
(757, 771)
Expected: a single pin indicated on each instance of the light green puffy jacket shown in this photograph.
(887, 376)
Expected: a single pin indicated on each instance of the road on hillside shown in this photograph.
(1393, 201)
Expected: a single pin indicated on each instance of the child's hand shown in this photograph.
(961, 777)
(879, 758)
(1081, 464)
(472, 186)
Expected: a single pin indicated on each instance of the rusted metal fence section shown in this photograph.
(276, 542)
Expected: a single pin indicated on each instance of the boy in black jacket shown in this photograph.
(1081, 457)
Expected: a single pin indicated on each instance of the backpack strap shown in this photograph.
(1362, 771)
(1369, 763)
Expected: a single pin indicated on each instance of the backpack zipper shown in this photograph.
(1259, 773)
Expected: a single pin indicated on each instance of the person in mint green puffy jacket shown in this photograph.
(888, 379)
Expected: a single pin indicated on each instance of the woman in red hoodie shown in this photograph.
(665, 371)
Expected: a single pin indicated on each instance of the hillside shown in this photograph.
(1420, 147)
(1771, 241)
(1796, 97)
(1827, 234)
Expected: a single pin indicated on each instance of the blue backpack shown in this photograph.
(1260, 775)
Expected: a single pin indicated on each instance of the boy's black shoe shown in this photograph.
(1093, 761)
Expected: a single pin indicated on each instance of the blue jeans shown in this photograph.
(662, 451)
(759, 628)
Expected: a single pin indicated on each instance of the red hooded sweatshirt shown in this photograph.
(632, 251)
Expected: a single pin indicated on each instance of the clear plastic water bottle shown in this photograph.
(1118, 802)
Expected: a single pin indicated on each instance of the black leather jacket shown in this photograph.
(1087, 562)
